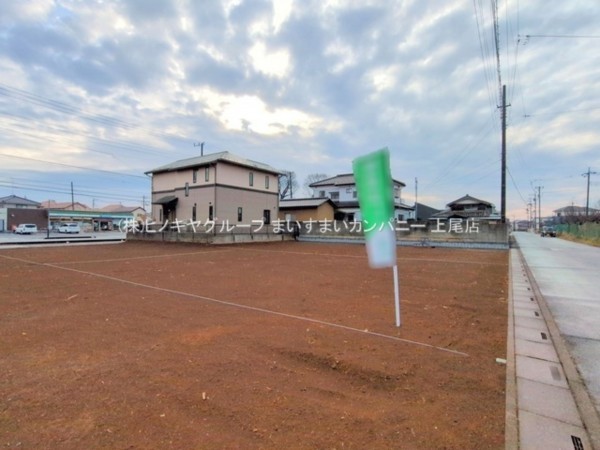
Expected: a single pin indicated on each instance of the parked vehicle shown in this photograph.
(26, 228)
(70, 227)
(548, 231)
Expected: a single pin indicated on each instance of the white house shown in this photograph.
(341, 189)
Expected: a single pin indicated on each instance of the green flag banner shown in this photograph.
(376, 200)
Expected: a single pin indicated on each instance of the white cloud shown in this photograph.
(272, 63)
(251, 113)
(282, 10)
(29, 11)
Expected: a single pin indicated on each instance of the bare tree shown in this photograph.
(288, 183)
(313, 178)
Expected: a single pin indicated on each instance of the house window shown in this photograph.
(251, 179)
(187, 189)
(195, 176)
(194, 212)
(334, 195)
(321, 193)
(207, 174)
(354, 194)
(266, 181)
(240, 214)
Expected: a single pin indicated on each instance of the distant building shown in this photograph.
(138, 212)
(15, 210)
(305, 209)
(73, 206)
(424, 212)
(341, 189)
(220, 187)
(13, 201)
(105, 219)
(576, 211)
(468, 207)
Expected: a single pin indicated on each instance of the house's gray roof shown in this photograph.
(426, 211)
(120, 208)
(345, 179)
(16, 200)
(467, 199)
(303, 203)
(198, 161)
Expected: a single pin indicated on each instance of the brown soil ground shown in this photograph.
(286, 345)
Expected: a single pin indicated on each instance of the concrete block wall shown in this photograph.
(491, 232)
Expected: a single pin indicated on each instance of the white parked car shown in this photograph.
(26, 228)
(70, 227)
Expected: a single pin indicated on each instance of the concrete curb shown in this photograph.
(585, 406)
(511, 427)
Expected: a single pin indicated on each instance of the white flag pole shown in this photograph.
(396, 295)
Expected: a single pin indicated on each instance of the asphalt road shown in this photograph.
(568, 275)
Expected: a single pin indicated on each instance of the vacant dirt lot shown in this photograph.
(287, 345)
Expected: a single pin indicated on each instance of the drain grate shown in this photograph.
(577, 444)
(555, 373)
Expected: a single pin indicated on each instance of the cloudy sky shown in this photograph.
(98, 92)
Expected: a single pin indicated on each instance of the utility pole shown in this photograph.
(587, 199)
(72, 198)
(416, 198)
(539, 205)
(503, 181)
(201, 145)
(534, 213)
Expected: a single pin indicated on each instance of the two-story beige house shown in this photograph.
(219, 187)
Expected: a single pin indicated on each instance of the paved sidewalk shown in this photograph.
(547, 404)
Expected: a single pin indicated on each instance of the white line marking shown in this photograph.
(242, 306)
(139, 257)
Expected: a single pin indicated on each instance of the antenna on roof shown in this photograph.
(201, 145)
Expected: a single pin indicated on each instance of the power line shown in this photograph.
(561, 36)
(123, 174)
(567, 111)
(494, 7)
(68, 191)
(46, 102)
(128, 146)
(485, 52)
(12, 181)
(515, 185)
(446, 171)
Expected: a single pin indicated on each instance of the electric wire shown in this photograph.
(124, 174)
